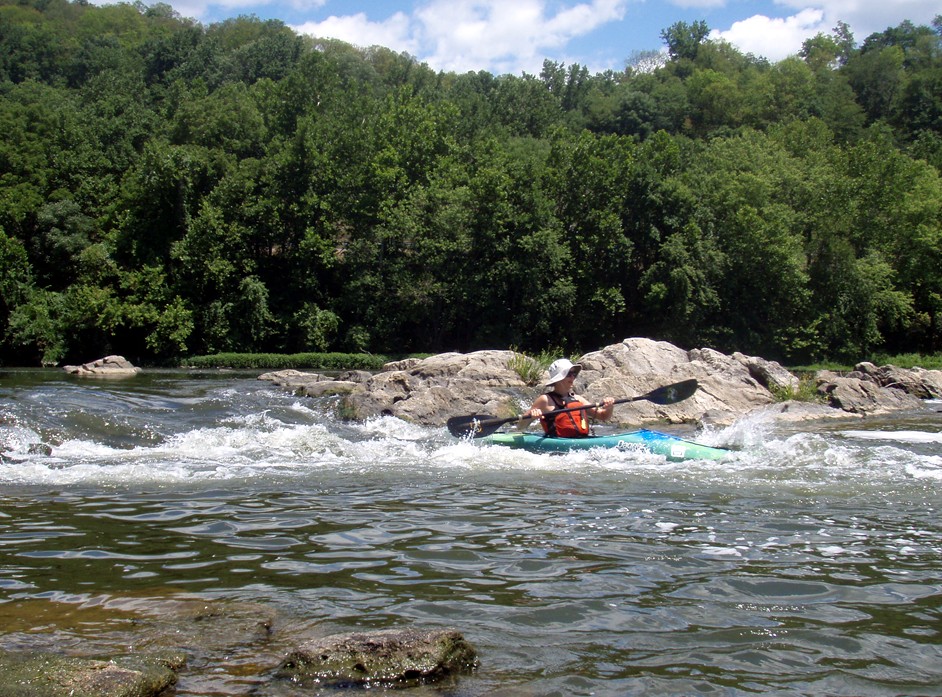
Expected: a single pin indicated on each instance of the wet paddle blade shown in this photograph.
(671, 394)
(474, 425)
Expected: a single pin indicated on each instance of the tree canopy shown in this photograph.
(170, 189)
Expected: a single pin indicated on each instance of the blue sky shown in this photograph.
(515, 36)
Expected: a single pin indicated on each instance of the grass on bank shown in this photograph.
(285, 361)
(903, 360)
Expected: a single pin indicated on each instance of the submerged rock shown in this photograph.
(36, 674)
(394, 658)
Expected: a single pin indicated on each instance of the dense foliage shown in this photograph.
(169, 189)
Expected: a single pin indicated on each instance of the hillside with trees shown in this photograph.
(172, 189)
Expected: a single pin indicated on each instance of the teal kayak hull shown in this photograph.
(671, 447)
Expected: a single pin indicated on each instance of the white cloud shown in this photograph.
(774, 39)
(463, 35)
(394, 33)
(868, 16)
(507, 37)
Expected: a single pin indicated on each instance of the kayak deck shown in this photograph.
(671, 447)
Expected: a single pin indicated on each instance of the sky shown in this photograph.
(516, 36)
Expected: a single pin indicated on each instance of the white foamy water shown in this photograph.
(896, 436)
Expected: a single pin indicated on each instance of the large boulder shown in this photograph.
(395, 658)
(637, 366)
(863, 395)
(431, 390)
(924, 384)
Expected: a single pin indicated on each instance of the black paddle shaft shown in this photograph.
(479, 425)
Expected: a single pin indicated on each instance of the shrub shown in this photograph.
(805, 391)
(531, 368)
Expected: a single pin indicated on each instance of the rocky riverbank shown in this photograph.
(431, 390)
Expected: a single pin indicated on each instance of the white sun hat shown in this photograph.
(560, 368)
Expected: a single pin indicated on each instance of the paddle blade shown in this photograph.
(473, 425)
(671, 394)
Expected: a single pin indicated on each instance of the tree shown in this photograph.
(683, 40)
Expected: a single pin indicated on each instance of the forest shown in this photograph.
(169, 189)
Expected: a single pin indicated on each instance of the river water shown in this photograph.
(808, 563)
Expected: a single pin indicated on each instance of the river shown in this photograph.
(810, 562)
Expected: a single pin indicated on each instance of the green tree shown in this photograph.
(683, 40)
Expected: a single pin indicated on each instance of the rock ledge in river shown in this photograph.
(431, 390)
(109, 366)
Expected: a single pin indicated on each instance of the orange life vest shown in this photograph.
(572, 424)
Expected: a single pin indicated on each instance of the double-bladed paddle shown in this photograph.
(479, 425)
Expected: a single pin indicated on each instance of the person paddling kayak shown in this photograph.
(573, 424)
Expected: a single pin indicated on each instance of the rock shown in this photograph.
(434, 388)
(864, 396)
(431, 390)
(770, 374)
(109, 366)
(206, 627)
(394, 658)
(37, 674)
(315, 384)
(924, 384)
(797, 412)
(636, 366)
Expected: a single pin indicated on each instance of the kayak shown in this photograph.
(671, 447)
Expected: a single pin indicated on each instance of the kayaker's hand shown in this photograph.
(604, 411)
(532, 414)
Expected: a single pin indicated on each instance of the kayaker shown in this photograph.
(572, 424)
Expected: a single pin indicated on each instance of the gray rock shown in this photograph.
(931, 380)
(863, 396)
(396, 658)
(109, 366)
(770, 374)
(432, 389)
(924, 384)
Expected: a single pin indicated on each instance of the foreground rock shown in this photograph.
(168, 635)
(109, 366)
(174, 640)
(391, 658)
(431, 390)
(51, 675)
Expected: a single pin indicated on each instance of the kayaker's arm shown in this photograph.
(534, 412)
